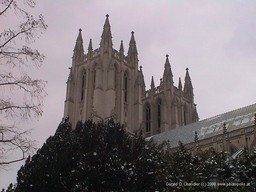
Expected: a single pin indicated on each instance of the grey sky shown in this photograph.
(216, 40)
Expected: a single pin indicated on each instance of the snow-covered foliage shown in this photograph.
(92, 157)
(104, 157)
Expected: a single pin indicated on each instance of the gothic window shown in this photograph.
(83, 84)
(125, 87)
(159, 103)
(94, 78)
(148, 118)
(93, 75)
(116, 76)
(116, 83)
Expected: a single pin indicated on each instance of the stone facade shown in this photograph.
(106, 83)
(235, 142)
(233, 131)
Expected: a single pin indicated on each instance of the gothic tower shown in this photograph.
(106, 83)
(166, 106)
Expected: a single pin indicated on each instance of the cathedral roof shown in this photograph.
(210, 127)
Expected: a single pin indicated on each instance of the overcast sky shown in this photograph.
(216, 40)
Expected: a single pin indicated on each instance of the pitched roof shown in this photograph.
(213, 126)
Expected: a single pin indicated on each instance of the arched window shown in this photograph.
(159, 103)
(94, 78)
(83, 84)
(116, 76)
(148, 118)
(125, 87)
(94, 73)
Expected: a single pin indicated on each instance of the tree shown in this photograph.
(21, 94)
(184, 169)
(209, 171)
(245, 170)
(93, 157)
(10, 188)
(104, 157)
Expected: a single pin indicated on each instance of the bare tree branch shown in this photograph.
(18, 107)
(8, 6)
(11, 139)
(25, 82)
(12, 161)
(21, 95)
(13, 36)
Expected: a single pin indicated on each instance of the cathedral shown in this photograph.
(105, 82)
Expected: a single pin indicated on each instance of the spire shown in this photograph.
(152, 83)
(106, 37)
(121, 50)
(79, 49)
(140, 78)
(79, 41)
(70, 74)
(167, 77)
(187, 77)
(132, 51)
(188, 88)
(196, 137)
(132, 45)
(140, 84)
(90, 46)
(90, 49)
(152, 86)
(167, 65)
(180, 84)
(195, 114)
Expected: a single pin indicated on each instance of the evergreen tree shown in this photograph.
(104, 157)
(47, 170)
(186, 172)
(245, 171)
(92, 157)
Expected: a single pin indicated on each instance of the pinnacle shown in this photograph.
(167, 71)
(132, 45)
(180, 84)
(187, 77)
(107, 21)
(132, 38)
(188, 84)
(79, 41)
(152, 82)
(106, 37)
(121, 47)
(78, 50)
(90, 45)
(167, 60)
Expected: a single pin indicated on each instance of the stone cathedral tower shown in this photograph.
(105, 83)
